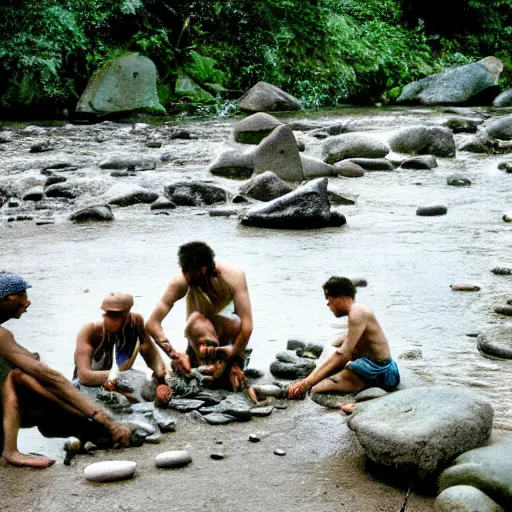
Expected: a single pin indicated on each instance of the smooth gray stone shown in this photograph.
(153, 439)
(144, 426)
(262, 411)
(233, 164)
(496, 341)
(292, 371)
(60, 190)
(409, 429)
(431, 211)
(316, 168)
(194, 193)
(265, 187)
(164, 421)
(52, 180)
(463, 124)
(500, 127)
(332, 400)
(295, 344)
(352, 145)
(372, 164)
(34, 194)
(129, 161)
(93, 213)
(185, 404)
(420, 162)
(162, 204)
(465, 498)
(421, 140)
(173, 459)
(209, 397)
(280, 452)
(456, 180)
(349, 169)
(488, 469)
(110, 470)
(265, 97)
(217, 418)
(504, 99)
(253, 129)
(370, 394)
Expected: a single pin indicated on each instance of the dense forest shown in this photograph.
(324, 52)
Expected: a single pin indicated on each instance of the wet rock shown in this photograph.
(153, 144)
(34, 194)
(431, 211)
(265, 97)
(262, 411)
(505, 166)
(254, 373)
(209, 397)
(411, 355)
(115, 401)
(166, 423)
(504, 99)
(339, 197)
(421, 140)
(52, 180)
(122, 174)
(41, 147)
(110, 470)
(44, 222)
(489, 469)
(348, 169)
(279, 153)
(12, 203)
(233, 164)
(265, 187)
(502, 271)
(217, 418)
(500, 127)
(253, 438)
(239, 198)
(128, 162)
(5, 137)
(306, 207)
(180, 133)
(420, 162)
(496, 342)
(225, 212)
(301, 145)
(456, 180)
(483, 143)
(125, 194)
(408, 429)
(93, 213)
(265, 390)
(370, 394)
(279, 452)
(332, 400)
(372, 164)
(162, 204)
(126, 83)
(454, 86)
(292, 367)
(60, 190)
(153, 439)
(465, 498)
(185, 405)
(315, 168)
(465, 287)
(295, 344)
(507, 217)
(173, 459)
(194, 193)
(360, 282)
(352, 145)
(253, 129)
(240, 412)
(217, 454)
(462, 124)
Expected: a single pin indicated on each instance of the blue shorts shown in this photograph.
(382, 373)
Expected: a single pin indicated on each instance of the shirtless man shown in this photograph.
(36, 395)
(214, 339)
(364, 358)
(95, 345)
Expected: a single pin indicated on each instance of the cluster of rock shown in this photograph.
(297, 362)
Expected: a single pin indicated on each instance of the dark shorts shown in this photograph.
(382, 373)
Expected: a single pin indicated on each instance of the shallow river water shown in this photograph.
(409, 261)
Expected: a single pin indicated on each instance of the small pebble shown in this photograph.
(253, 438)
(472, 334)
(109, 471)
(279, 452)
(217, 455)
(86, 290)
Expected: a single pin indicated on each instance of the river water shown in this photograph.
(409, 261)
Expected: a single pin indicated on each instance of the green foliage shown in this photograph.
(203, 69)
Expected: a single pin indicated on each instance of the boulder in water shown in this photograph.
(352, 145)
(265, 187)
(253, 129)
(102, 212)
(194, 193)
(265, 97)
(424, 140)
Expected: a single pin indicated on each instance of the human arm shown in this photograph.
(84, 351)
(57, 384)
(149, 352)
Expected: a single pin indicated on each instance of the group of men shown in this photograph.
(35, 395)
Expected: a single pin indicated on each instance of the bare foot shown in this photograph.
(18, 459)
(348, 408)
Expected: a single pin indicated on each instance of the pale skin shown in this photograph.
(364, 338)
(90, 336)
(201, 329)
(37, 377)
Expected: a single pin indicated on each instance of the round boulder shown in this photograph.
(496, 342)
(352, 145)
(500, 128)
(420, 162)
(348, 169)
(424, 140)
(253, 129)
(194, 193)
(504, 99)
(456, 180)
(125, 194)
(265, 97)
(233, 164)
(265, 187)
(96, 213)
(465, 498)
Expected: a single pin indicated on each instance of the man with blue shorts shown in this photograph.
(363, 360)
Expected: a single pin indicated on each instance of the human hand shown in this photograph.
(110, 385)
(180, 362)
(120, 433)
(237, 378)
(298, 389)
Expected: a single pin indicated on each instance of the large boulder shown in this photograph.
(253, 129)
(126, 83)
(316, 168)
(408, 429)
(101, 212)
(500, 128)
(233, 164)
(504, 99)
(279, 153)
(488, 469)
(265, 187)
(265, 97)
(304, 208)
(424, 140)
(126, 194)
(352, 145)
(454, 86)
(194, 193)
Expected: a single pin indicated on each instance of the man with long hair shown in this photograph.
(216, 339)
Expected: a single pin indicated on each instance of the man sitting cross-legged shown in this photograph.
(35, 395)
(125, 333)
(364, 358)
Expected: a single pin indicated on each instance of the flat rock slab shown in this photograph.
(409, 429)
(488, 469)
(262, 411)
(217, 418)
(173, 459)
(110, 470)
(370, 394)
(496, 342)
(185, 404)
(465, 498)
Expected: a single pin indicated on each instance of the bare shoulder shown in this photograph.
(359, 313)
(231, 273)
(138, 320)
(6, 339)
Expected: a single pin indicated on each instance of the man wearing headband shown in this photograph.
(216, 340)
(36, 395)
(126, 332)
